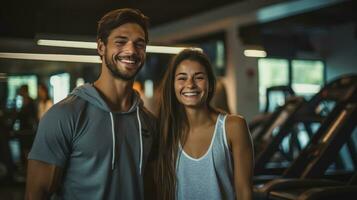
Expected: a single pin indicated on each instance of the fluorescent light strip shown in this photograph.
(3, 76)
(167, 49)
(93, 45)
(255, 53)
(70, 44)
(52, 57)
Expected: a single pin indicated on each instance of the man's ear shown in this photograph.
(100, 47)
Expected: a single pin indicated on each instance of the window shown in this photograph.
(272, 72)
(305, 77)
(60, 86)
(214, 46)
(215, 51)
(14, 83)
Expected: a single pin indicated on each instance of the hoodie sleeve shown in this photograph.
(52, 142)
(150, 128)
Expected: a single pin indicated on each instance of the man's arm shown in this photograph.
(243, 159)
(42, 180)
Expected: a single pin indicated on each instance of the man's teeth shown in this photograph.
(128, 61)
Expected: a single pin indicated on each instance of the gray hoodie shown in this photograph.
(103, 153)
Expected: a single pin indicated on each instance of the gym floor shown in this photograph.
(12, 192)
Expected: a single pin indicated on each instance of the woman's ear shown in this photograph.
(100, 47)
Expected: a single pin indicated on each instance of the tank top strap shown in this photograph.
(221, 130)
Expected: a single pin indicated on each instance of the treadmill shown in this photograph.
(318, 190)
(260, 120)
(315, 159)
(271, 157)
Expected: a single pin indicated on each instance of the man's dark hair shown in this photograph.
(118, 17)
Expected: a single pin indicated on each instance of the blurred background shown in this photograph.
(264, 53)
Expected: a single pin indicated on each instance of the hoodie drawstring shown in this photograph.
(113, 136)
(140, 138)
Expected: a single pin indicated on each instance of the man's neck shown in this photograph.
(117, 93)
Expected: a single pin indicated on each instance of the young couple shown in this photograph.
(100, 141)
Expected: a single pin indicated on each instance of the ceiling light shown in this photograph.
(65, 43)
(52, 57)
(3, 77)
(93, 45)
(255, 53)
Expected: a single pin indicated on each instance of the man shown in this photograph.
(95, 143)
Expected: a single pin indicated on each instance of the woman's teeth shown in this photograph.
(190, 94)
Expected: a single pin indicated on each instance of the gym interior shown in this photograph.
(288, 66)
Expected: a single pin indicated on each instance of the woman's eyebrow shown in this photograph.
(181, 73)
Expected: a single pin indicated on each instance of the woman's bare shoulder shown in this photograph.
(236, 127)
(235, 122)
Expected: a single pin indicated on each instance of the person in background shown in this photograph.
(95, 144)
(44, 101)
(24, 126)
(27, 112)
(220, 98)
(203, 153)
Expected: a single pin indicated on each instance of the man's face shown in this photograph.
(124, 53)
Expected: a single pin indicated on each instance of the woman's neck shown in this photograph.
(199, 116)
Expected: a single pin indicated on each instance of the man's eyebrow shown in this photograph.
(126, 38)
(120, 37)
(199, 73)
(140, 40)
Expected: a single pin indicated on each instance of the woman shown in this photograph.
(204, 154)
(44, 101)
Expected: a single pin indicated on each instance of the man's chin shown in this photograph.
(127, 72)
(124, 76)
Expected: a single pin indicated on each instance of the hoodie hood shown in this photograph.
(90, 94)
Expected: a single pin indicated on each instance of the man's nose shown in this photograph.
(129, 47)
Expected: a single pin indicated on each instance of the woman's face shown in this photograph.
(42, 94)
(191, 83)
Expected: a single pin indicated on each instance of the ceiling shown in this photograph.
(26, 19)
(317, 21)
(285, 36)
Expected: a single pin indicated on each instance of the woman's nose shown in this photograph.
(191, 83)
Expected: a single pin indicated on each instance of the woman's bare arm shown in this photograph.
(241, 146)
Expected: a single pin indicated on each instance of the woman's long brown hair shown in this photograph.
(173, 122)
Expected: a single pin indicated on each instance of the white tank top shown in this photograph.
(210, 176)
